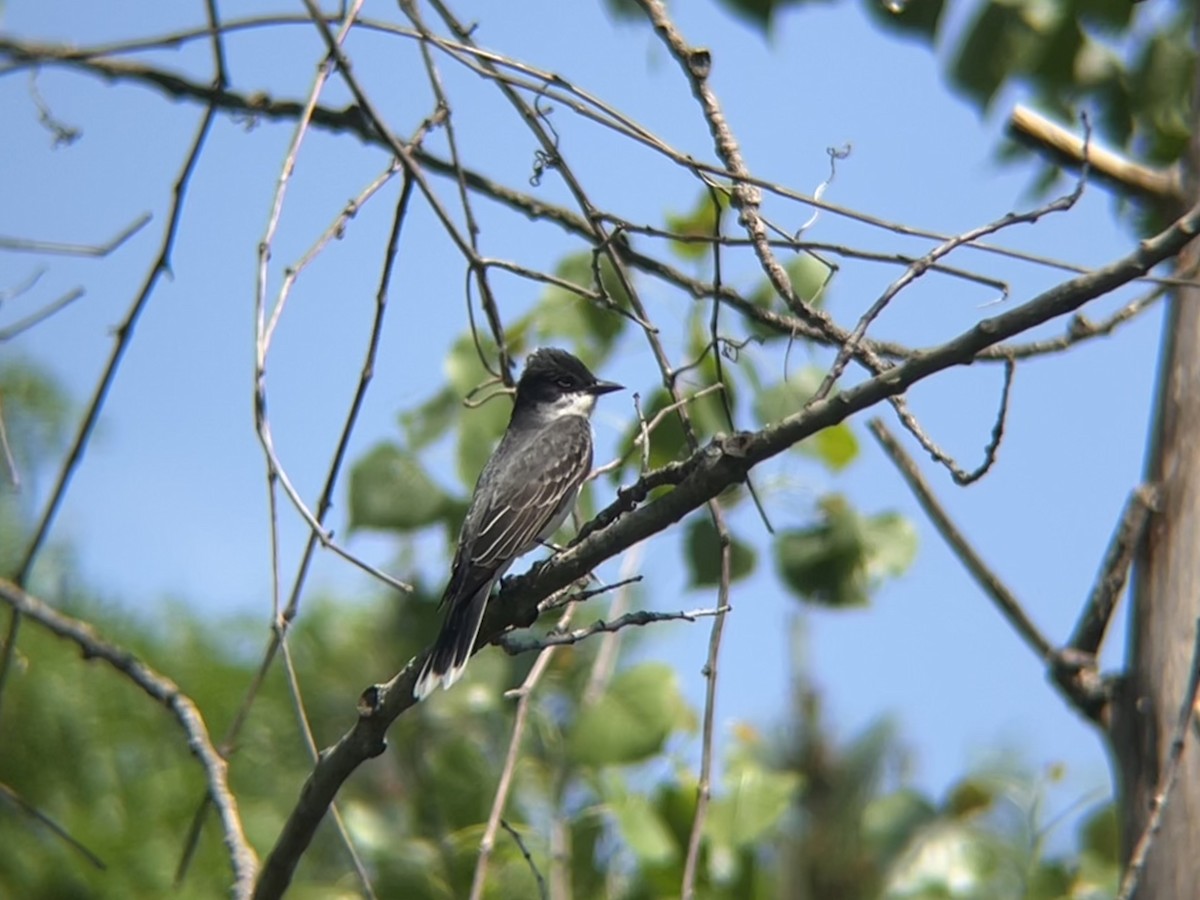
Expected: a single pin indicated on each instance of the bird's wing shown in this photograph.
(530, 493)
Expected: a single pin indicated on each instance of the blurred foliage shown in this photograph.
(34, 417)
(1131, 71)
(799, 815)
(838, 560)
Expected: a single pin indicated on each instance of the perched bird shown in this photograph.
(524, 493)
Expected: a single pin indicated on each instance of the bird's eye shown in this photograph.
(565, 383)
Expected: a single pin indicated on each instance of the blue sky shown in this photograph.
(171, 499)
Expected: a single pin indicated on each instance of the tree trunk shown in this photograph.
(1167, 602)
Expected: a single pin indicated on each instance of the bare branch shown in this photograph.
(1062, 145)
(34, 813)
(706, 473)
(1114, 571)
(543, 893)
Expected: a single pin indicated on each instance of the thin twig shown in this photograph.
(57, 248)
(23, 325)
(921, 266)
(34, 813)
(524, 696)
(704, 783)
(543, 893)
(1166, 778)
(961, 476)
(702, 476)
(349, 119)
(515, 644)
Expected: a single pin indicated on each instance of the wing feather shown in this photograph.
(539, 480)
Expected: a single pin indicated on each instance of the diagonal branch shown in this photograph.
(995, 588)
(1033, 128)
(705, 474)
(1096, 613)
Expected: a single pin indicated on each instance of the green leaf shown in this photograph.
(1111, 14)
(999, 44)
(891, 544)
(700, 222)
(464, 371)
(752, 804)
(836, 446)
(759, 13)
(840, 559)
(390, 489)
(787, 397)
(703, 549)
(891, 821)
(1100, 834)
(428, 422)
(645, 833)
(625, 10)
(809, 278)
(969, 797)
(632, 720)
(479, 429)
(562, 316)
(1161, 84)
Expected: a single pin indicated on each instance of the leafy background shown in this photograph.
(804, 804)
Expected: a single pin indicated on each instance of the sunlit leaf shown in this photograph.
(751, 803)
(643, 829)
(632, 720)
(563, 317)
(700, 223)
(836, 446)
(840, 559)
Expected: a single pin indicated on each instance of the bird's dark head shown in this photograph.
(556, 383)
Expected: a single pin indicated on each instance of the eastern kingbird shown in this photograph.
(525, 492)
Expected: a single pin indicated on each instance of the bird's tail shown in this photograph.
(454, 643)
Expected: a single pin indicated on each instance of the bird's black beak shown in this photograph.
(605, 387)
